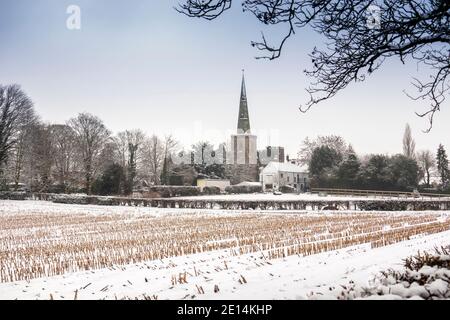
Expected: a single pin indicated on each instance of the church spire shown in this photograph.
(243, 91)
(244, 120)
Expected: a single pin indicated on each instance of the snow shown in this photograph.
(438, 287)
(11, 207)
(431, 282)
(385, 297)
(276, 167)
(293, 277)
(293, 197)
(249, 183)
(290, 278)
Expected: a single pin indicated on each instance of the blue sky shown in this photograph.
(140, 64)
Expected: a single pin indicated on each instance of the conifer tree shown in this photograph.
(442, 166)
(349, 169)
(409, 145)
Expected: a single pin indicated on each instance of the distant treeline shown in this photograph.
(83, 156)
(334, 164)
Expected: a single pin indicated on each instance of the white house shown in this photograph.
(278, 174)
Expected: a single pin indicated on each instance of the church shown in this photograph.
(268, 166)
(241, 160)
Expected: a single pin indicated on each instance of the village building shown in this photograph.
(277, 175)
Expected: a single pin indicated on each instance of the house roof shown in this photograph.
(274, 167)
(249, 183)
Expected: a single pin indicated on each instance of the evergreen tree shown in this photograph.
(323, 166)
(109, 183)
(165, 171)
(403, 172)
(322, 158)
(375, 173)
(349, 169)
(131, 168)
(442, 166)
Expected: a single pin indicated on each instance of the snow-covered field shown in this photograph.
(234, 254)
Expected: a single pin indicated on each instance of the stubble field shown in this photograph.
(39, 239)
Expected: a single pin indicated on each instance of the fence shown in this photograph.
(379, 193)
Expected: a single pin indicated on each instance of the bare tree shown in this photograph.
(200, 149)
(360, 36)
(129, 144)
(42, 160)
(153, 158)
(16, 112)
(426, 164)
(64, 152)
(21, 153)
(91, 136)
(109, 155)
(409, 145)
(121, 143)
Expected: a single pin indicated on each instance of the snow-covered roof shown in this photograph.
(274, 167)
(249, 183)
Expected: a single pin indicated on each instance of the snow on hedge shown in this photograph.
(426, 276)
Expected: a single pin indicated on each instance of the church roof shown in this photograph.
(244, 119)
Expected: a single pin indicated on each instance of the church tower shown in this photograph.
(242, 156)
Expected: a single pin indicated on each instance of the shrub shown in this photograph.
(109, 183)
(14, 195)
(72, 199)
(174, 191)
(105, 201)
(243, 189)
(211, 190)
(382, 205)
(57, 188)
(425, 276)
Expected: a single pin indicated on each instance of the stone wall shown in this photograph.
(238, 173)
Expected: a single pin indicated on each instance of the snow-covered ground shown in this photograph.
(290, 278)
(213, 274)
(10, 207)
